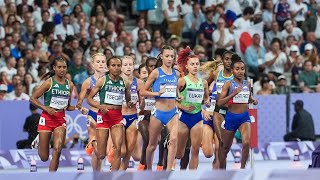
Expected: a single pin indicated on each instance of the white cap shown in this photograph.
(64, 3)
(294, 48)
(282, 77)
(3, 87)
(308, 47)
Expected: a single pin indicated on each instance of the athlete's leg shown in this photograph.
(196, 138)
(162, 154)
(117, 138)
(131, 140)
(216, 162)
(155, 127)
(101, 142)
(143, 129)
(227, 138)
(184, 162)
(59, 136)
(95, 162)
(183, 136)
(136, 153)
(207, 139)
(43, 149)
(245, 131)
(173, 126)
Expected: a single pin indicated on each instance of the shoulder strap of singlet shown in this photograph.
(92, 82)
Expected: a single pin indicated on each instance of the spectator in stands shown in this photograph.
(282, 87)
(141, 50)
(296, 69)
(16, 52)
(77, 70)
(267, 14)
(302, 125)
(266, 88)
(18, 94)
(281, 12)
(293, 53)
(4, 55)
(290, 41)
(31, 127)
(310, 39)
(3, 91)
(205, 32)
(192, 22)
(222, 38)
(257, 85)
(64, 29)
(276, 61)
(243, 22)
(45, 17)
(298, 11)
(172, 16)
(311, 54)
(29, 83)
(27, 37)
(156, 48)
(10, 67)
(186, 7)
(254, 56)
(175, 42)
(291, 30)
(308, 79)
(141, 25)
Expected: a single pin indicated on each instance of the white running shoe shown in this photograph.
(35, 143)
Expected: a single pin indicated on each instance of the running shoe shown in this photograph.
(110, 155)
(35, 143)
(159, 168)
(89, 147)
(141, 167)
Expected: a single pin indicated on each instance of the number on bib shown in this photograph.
(99, 119)
(42, 121)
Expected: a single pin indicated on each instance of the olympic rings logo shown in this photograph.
(73, 126)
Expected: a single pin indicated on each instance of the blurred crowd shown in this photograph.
(281, 53)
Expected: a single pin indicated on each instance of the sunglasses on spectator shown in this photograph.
(94, 50)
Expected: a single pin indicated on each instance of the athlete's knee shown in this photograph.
(207, 153)
(101, 155)
(173, 141)
(245, 144)
(44, 156)
(151, 147)
(57, 149)
(195, 151)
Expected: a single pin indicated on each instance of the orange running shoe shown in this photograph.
(159, 168)
(110, 155)
(89, 147)
(140, 167)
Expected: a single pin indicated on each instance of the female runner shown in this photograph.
(112, 89)
(237, 94)
(193, 90)
(130, 115)
(56, 90)
(99, 65)
(164, 82)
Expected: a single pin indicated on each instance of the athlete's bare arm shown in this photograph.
(34, 99)
(94, 91)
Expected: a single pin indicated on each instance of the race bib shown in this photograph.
(96, 97)
(99, 119)
(149, 104)
(113, 98)
(212, 105)
(42, 121)
(59, 102)
(242, 97)
(140, 118)
(171, 91)
(219, 86)
(195, 95)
